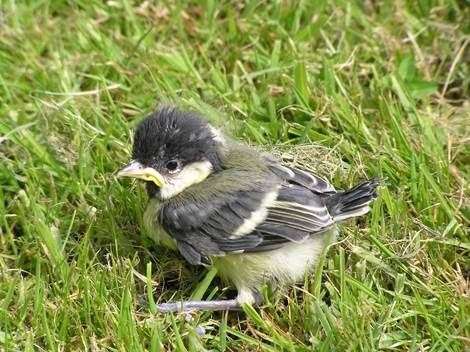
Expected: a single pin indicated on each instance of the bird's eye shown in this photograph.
(172, 165)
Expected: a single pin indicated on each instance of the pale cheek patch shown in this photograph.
(190, 175)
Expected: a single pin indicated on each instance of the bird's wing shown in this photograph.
(204, 227)
(250, 220)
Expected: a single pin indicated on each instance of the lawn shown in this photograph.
(353, 89)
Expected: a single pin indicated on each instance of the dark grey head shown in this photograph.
(173, 150)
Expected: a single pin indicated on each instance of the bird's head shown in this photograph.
(172, 151)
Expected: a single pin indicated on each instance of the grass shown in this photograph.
(373, 88)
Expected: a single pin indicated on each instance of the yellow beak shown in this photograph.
(137, 170)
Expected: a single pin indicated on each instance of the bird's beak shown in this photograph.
(137, 170)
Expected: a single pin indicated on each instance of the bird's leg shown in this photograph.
(244, 296)
(187, 306)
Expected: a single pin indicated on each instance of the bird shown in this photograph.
(220, 202)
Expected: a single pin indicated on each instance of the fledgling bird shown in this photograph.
(223, 203)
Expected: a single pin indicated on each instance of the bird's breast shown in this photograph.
(153, 228)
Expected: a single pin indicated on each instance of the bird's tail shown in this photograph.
(353, 202)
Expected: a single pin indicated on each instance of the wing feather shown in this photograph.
(296, 214)
(301, 177)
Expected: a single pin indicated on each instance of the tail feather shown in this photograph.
(353, 202)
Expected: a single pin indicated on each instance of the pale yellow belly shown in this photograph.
(286, 265)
